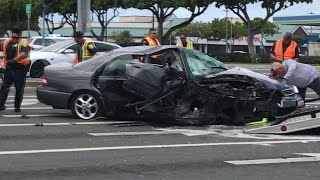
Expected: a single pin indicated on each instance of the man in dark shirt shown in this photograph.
(285, 49)
(16, 62)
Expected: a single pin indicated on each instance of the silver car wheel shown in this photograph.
(86, 106)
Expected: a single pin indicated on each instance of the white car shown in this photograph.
(59, 52)
(36, 41)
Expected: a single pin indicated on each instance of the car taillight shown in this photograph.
(44, 81)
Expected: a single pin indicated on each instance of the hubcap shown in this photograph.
(86, 106)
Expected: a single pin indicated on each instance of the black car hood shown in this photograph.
(267, 80)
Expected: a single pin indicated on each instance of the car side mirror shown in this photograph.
(68, 51)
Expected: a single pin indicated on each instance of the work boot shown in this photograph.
(17, 110)
(2, 108)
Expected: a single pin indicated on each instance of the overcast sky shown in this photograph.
(254, 11)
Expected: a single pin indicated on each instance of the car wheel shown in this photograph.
(86, 105)
(37, 69)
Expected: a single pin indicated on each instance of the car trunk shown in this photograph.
(62, 70)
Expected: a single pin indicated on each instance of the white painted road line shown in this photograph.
(310, 93)
(132, 133)
(24, 96)
(274, 161)
(143, 147)
(33, 115)
(188, 132)
(62, 124)
(31, 108)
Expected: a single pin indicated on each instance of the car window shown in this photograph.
(167, 58)
(117, 66)
(58, 46)
(74, 47)
(201, 64)
(38, 42)
(101, 47)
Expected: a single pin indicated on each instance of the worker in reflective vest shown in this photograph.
(184, 42)
(86, 49)
(285, 49)
(16, 63)
(151, 39)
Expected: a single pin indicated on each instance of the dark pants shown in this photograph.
(18, 77)
(315, 85)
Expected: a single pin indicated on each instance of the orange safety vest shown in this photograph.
(85, 53)
(289, 53)
(152, 42)
(189, 44)
(24, 61)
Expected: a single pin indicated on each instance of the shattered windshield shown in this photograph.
(201, 64)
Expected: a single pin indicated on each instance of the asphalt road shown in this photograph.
(42, 143)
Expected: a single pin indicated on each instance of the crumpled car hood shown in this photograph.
(267, 80)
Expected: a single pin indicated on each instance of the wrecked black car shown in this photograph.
(172, 83)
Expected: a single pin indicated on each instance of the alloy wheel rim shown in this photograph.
(86, 106)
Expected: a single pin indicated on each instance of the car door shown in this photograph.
(68, 54)
(111, 78)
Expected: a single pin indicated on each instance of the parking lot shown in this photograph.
(41, 142)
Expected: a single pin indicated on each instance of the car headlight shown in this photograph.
(295, 89)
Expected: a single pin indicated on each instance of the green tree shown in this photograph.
(100, 9)
(197, 30)
(240, 8)
(268, 29)
(13, 14)
(68, 10)
(52, 8)
(123, 38)
(162, 10)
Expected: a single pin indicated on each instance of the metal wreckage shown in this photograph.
(235, 96)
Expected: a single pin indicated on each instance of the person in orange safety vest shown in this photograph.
(16, 63)
(86, 48)
(285, 49)
(151, 39)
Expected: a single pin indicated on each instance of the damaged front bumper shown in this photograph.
(294, 101)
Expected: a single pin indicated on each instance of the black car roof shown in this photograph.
(144, 49)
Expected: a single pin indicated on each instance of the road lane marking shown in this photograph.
(31, 108)
(23, 96)
(144, 147)
(62, 123)
(33, 115)
(188, 132)
(25, 102)
(266, 144)
(132, 133)
(274, 161)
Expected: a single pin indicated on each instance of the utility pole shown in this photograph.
(28, 11)
(231, 36)
(44, 9)
(226, 30)
(84, 8)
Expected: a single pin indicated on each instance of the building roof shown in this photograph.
(298, 20)
(282, 30)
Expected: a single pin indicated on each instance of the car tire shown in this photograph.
(37, 68)
(86, 105)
